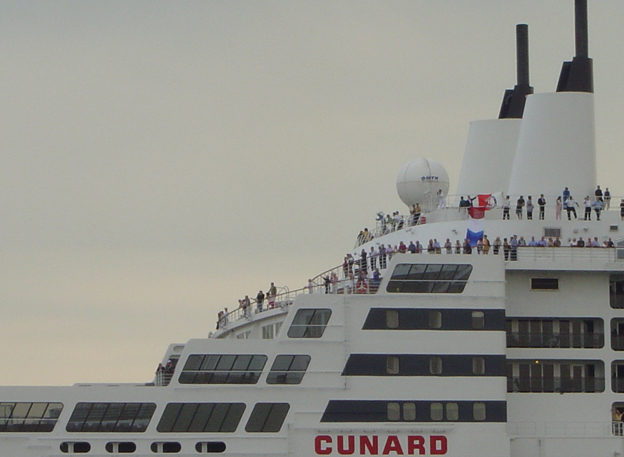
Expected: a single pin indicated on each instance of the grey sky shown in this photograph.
(161, 160)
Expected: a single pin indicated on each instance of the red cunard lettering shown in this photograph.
(369, 445)
(438, 444)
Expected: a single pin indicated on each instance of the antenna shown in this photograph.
(514, 99)
(577, 75)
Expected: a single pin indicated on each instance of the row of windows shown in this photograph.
(414, 411)
(424, 365)
(434, 319)
(555, 333)
(561, 376)
(29, 417)
(128, 447)
(309, 323)
(242, 369)
(221, 417)
(111, 417)
(429, 278)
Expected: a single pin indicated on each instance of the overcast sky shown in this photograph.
(162, 159)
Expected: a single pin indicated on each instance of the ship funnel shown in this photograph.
(514, 99)
(556, 146)
(577, 75)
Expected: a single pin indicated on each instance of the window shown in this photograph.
(29, 417)
(555, 333)
(478, 411)
(111, 417)
(435, 365)
(616, 291)
(394, 411)
(309, 323)
(437, 411)
(442, 319)
(209, 447)
(478, 319)
(435, 319)
(392, 364)
(288, 369)
(617, 334)
(561, 376)
(201, 417)
(114, 447)
(222, 369)
(369, 411)
(544, 283)
(167, 447)
(478, 365)
(409, 411)
(452, 411)
(267, 417)
(78, 447)
(392, 318)
(429, 278)
(551, 232)
(244, 335)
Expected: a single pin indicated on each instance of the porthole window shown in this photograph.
(392, 318)
(75, 447)
(210, 447)
(392, 364)
(452, 411)
(478, 319)
(167, 447)
(124, 447)
(435, 319)
(409, 411)
(437, 411)
(478, 411)
(394, 411)
(478, 365)
(435, 365)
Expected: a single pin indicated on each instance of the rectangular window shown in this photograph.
(437, 411)
(309, 323)
(288, 369)
(267, 417)
(552, 232)
(532, 332)
(222, 369)
(478, 365)
(29, 417)
(111, 417)
(478, 319)
(409, 411)
(435, 365)
(555, 376)
(544, 283)
(429, 278)
(435, 319)
(392, 318)
(452, 411)
(201, 417)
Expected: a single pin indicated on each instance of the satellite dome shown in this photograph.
(420, 180)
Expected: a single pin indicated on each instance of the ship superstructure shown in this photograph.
(477, 349)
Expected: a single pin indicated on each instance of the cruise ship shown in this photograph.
(489, 323)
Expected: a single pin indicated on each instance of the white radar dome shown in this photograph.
(420, 180)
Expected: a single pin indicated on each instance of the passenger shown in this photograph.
(551, 243)
(607, 199)
(542, 242)
(598, 193)
(541, 202)
(558, 208)
(566, 195)
(588, 208)
(419, 247)
(467, 247)
(327, 283)
(610, 243)
(271, 294)
(458, 247)
(310, 286)
(622, 209)
(580, 243)
(246, 305)
(597, 204)
(436, 246)
(570, 206)
(506, 205)
(479, 245)
(519, 206)
(557, 242)
(448, 246)
(334, 281)
(521, 241)
(402, 248)
(412, 247)
(363, 262)
(529, 207)
(390, 251)
(497, 245)
(259, 301)
(382, 257)
(533, 243)
(373, 254)
(430, 247)
(513, 255)
(441, 200)
(486, 245)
